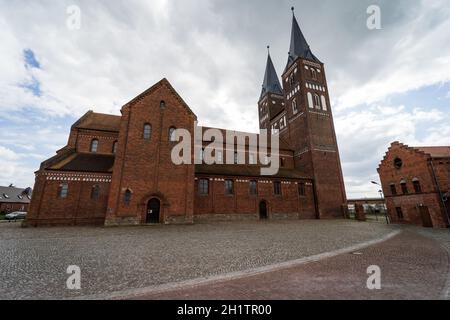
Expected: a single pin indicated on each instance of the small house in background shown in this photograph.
(14, 199)
(416, 184)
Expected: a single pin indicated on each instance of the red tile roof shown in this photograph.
(99, 121)
(85, 162)
(435, 152)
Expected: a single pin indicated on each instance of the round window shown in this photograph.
(398, 163)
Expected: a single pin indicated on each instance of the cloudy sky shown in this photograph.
(385, 85)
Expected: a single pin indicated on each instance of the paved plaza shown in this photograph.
(136, 262)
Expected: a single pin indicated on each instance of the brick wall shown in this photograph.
(11, 207)
(78, 208)
(105, 141)
(415, 165)
(243, 205)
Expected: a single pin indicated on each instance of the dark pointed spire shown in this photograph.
(271, 82)
(299, 46)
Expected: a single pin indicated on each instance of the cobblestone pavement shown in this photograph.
(412, 267)
(33, 262)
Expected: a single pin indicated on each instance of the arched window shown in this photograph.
(291, 79)
(94, 145)
(201, 154)
(63, 191)
(172, 134)
(393, 189)
(277, 188)
(95, 192)
(114, 149)
(147, 131)
(404, 187)
(324, 103)
(251, 158)
(316, 101)
(417, 186)
(219, 157)
(162, 104)
(127, 197)
(294, 106)
(310, 101)
(313, 73)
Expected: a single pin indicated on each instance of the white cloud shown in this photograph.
(370, 132)
(12, 169)
(8, 154)
(415, 54)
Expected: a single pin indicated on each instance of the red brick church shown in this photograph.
(117, 170)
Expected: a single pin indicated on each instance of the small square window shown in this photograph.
(203, 186)
(229, 187)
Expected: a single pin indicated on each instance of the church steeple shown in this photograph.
(299, 46)
(271, 82)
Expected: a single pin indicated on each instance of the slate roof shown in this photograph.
(14, 195)
(271, 83)
(299, 46)
(85, 162)
(435, 152)
(246, 171)
(98, 121)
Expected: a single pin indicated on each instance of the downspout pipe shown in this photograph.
(441, 195)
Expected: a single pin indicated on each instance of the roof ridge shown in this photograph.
(157, 85)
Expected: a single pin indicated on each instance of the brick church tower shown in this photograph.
(302, 115)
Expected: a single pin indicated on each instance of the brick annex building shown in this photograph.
(117, 170)
(416, 184)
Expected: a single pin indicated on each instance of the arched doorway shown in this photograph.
(263, 215)
(153, 209)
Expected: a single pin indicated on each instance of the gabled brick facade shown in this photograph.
(144, 166)
(416, 184)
